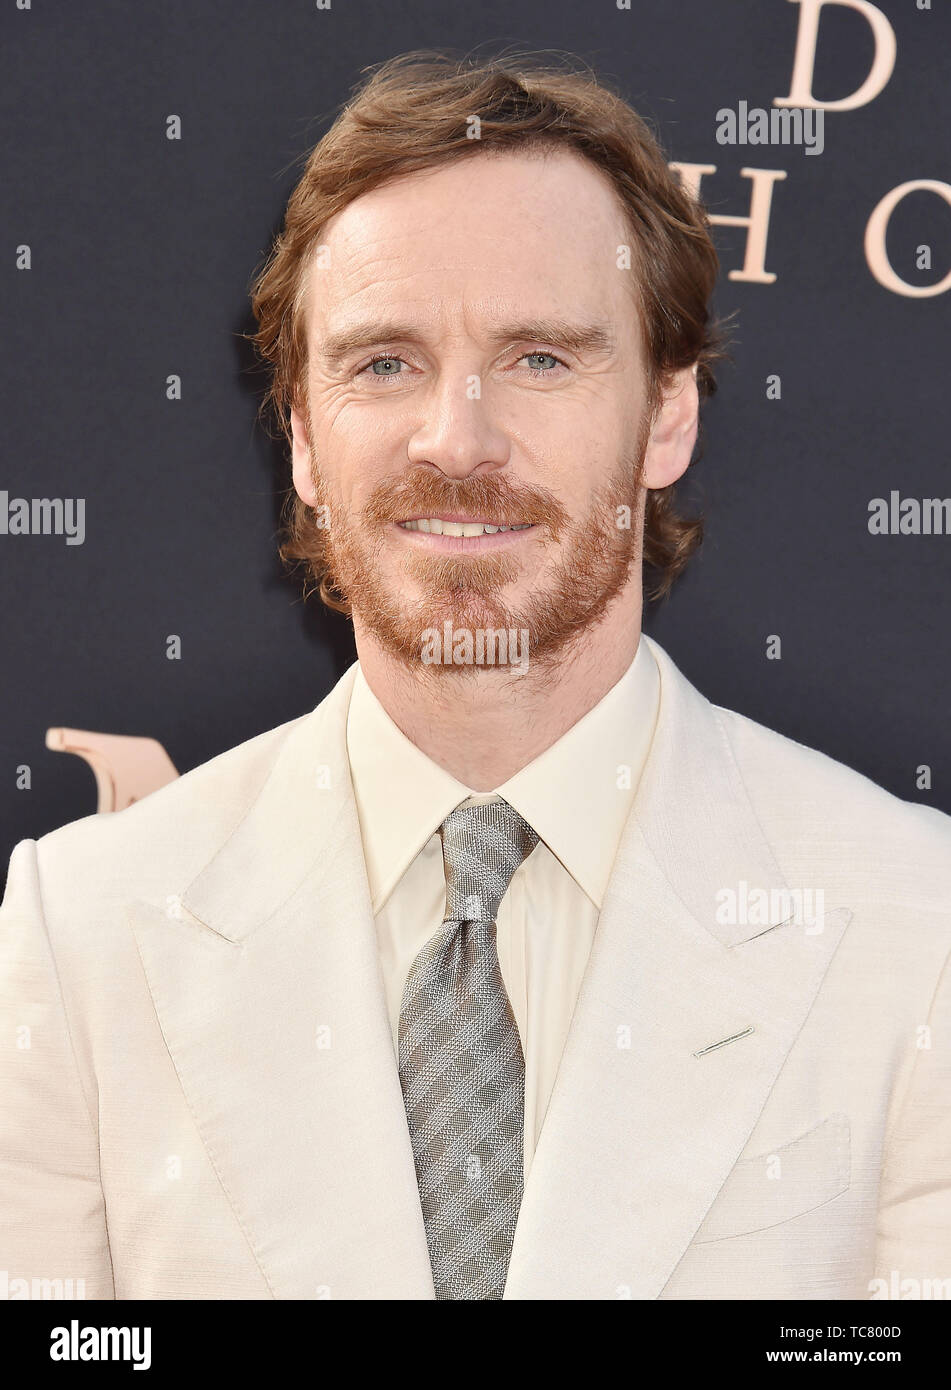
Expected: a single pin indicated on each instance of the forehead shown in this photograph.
(487, 229)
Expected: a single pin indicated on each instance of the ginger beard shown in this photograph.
(592, 568)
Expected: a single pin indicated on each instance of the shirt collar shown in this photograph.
(576, 795)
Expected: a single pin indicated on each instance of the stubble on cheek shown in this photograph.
(398, 593)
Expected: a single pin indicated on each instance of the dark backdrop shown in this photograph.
(142, 249)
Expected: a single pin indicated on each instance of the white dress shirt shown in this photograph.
(576, 796)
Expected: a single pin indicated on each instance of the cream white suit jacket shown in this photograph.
(198, 1090)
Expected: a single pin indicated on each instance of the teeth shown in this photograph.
(432, 526)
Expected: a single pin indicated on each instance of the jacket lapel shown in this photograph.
(641, 1132)
(268, 989)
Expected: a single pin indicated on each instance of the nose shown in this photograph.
(459, 435)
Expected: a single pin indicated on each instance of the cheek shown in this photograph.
(580, 469)
(353, 454)
(568, 435)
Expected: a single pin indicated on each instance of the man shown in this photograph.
(516, 967)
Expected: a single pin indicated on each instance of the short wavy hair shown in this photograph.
(412, 113)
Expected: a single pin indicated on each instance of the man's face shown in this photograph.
(509, 389)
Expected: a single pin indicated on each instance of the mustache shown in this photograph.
(493, 498)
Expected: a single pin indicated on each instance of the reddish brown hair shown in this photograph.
(413, 112)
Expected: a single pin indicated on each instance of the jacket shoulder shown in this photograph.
(805, 798)
(173, 830)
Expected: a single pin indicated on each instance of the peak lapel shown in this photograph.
(641, 1132)
(268, 989)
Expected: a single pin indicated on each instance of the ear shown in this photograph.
(300, 453)
(675, 431)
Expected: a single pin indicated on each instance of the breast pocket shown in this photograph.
(785, 1182)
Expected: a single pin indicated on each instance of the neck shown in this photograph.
(485, 725)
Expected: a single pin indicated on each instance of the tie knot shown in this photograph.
(482, 846)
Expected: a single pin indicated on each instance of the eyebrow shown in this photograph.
(575, 337)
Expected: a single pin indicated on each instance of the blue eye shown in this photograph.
(387, 362)
(388, 365)
(533, 358)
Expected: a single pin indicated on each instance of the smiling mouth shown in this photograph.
(438, 526)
